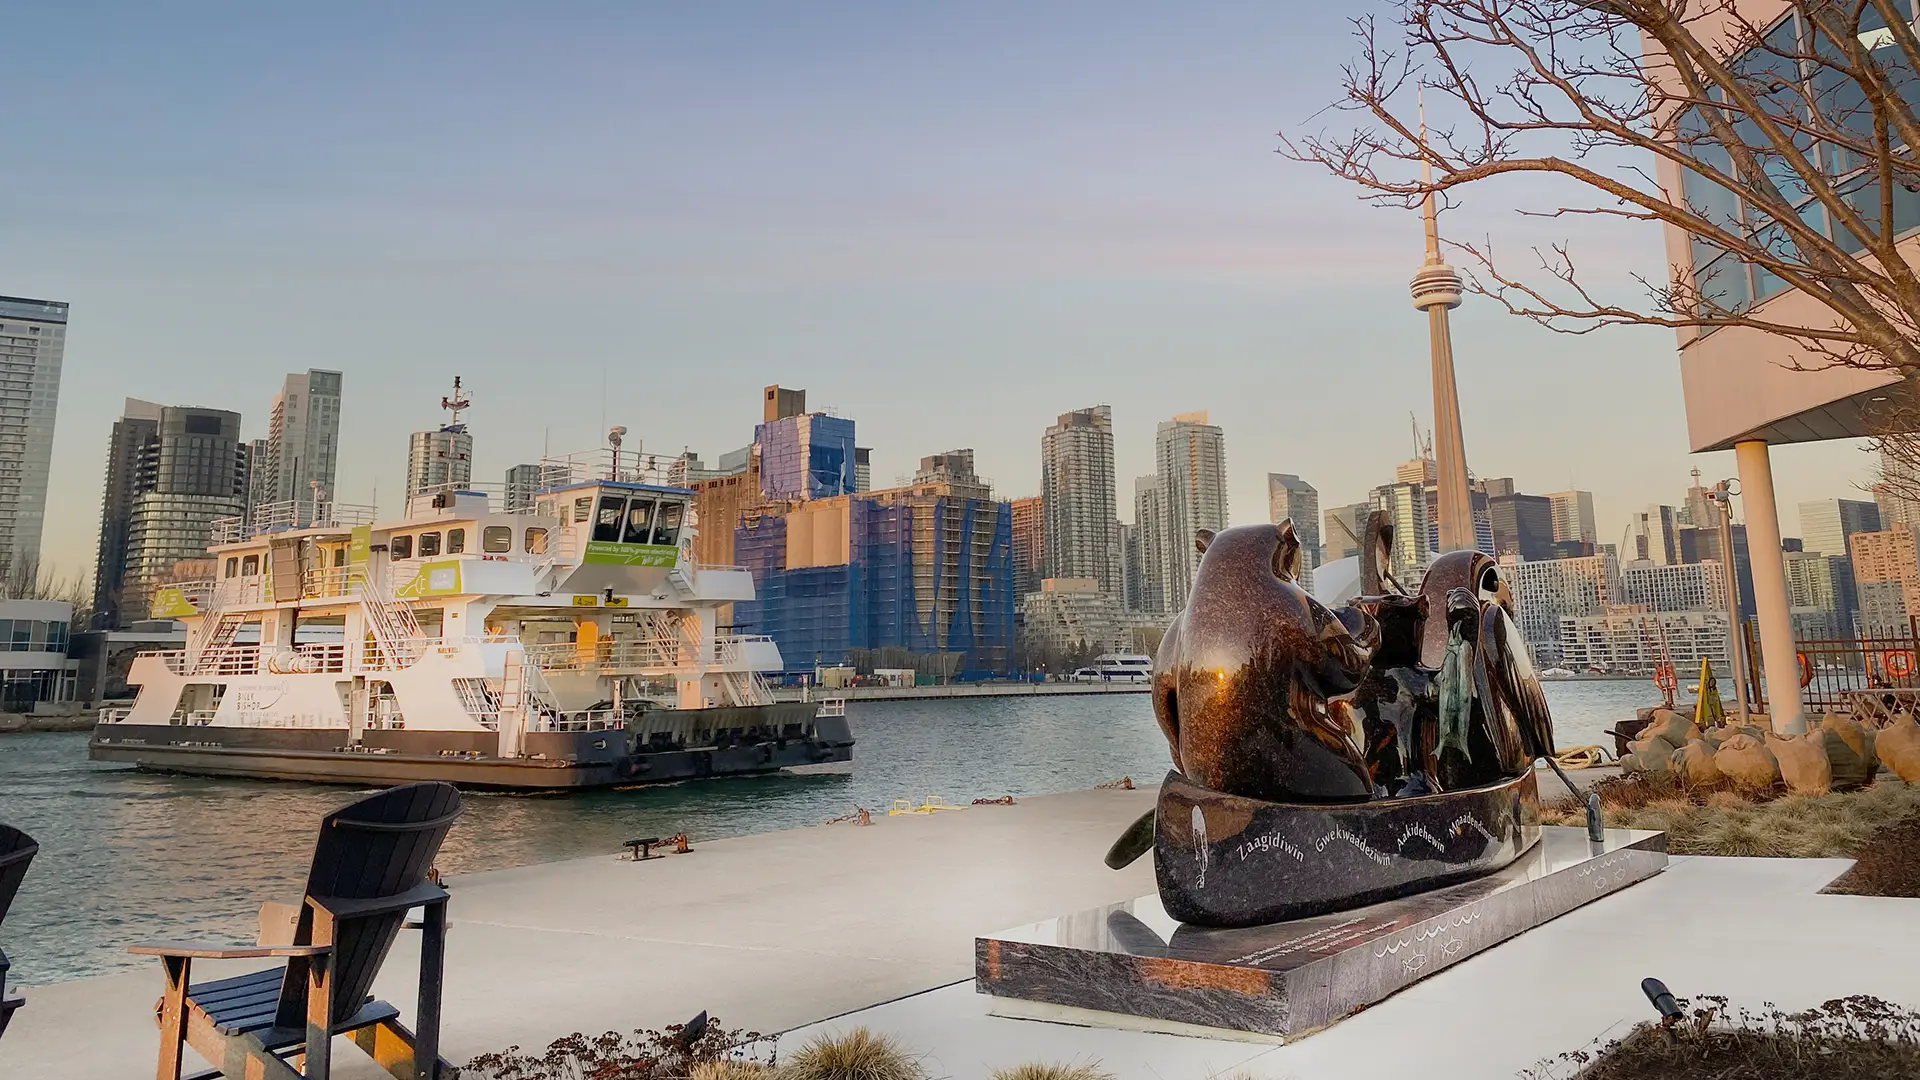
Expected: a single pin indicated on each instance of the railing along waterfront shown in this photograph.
(1867, 673)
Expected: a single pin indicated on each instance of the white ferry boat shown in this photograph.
(1116, 667)
(570, 643)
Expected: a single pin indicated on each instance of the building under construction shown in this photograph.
(925, 570)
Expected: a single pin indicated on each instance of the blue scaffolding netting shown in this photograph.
(929, 576)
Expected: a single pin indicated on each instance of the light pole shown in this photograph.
(1722, 495)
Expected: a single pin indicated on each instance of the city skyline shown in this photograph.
(1223, 277)
(1122, 516)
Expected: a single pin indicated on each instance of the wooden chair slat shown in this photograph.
(263, 977)
(226, 1000)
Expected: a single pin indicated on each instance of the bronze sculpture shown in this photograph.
(1324, 759)
(1243, 676)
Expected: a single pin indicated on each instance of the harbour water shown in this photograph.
(126, 856)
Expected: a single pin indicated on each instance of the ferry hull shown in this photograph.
(557, 761)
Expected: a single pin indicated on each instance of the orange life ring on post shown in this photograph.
(1806, 669)
(1897, 663)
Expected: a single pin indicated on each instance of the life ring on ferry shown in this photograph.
(1806, 669)
(1664, 678)
(1897, 663)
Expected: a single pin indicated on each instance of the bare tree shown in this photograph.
(1787, 148)
(27, 579)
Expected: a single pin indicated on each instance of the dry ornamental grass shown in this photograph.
(855, 1055)
(1721, 822)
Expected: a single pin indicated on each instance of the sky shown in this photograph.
(950, 223)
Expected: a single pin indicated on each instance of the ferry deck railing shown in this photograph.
(324, 657)
(616, 655)
(292, 514)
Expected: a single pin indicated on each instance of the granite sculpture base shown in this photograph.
(1228, 860)
(1133, 965)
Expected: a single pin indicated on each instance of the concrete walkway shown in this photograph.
(1753, 930)
(768, 932)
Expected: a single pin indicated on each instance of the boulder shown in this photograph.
(1746, 763)
(1670, 727)
(1694, 762)
(1898, 748)
(1849, 750)
(1656, 757)
(1803, 763)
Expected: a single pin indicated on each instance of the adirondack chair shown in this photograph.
(370, 868)
(16, 851)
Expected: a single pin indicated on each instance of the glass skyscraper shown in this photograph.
(33, 337)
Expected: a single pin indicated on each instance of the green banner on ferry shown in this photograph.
(359, 543)
(608, 553)
(440, 578)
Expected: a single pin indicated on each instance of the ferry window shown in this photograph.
(639, 519)
(233, 566)
(582, 509)
(429, 544)
(250, 565)
(496, 539)
(456, 541)
(536, 541)
(22, 634)
(401, 547)
(606, 523)
(666, 526)
(339, 556)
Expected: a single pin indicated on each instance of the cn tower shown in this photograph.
(1436, 290)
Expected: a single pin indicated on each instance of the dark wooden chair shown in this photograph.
(17, 849)
(370, 867)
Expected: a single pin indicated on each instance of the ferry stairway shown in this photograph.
(394, 628)
(216, 638)
(745, 688)
(480, 700)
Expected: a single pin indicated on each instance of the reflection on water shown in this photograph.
(126, 856)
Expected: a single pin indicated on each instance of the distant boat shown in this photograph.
(1556, 673)
(1117, 667)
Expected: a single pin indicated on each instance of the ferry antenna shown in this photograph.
(455, 403)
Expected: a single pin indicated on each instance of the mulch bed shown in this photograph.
(1888, 865)
(1856, 1038)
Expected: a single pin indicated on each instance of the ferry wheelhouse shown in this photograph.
(572, 642)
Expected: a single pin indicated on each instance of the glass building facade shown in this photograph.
(34, 665)
(192, 468)
(33, 338)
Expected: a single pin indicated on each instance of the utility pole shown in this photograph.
(1722, 495)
